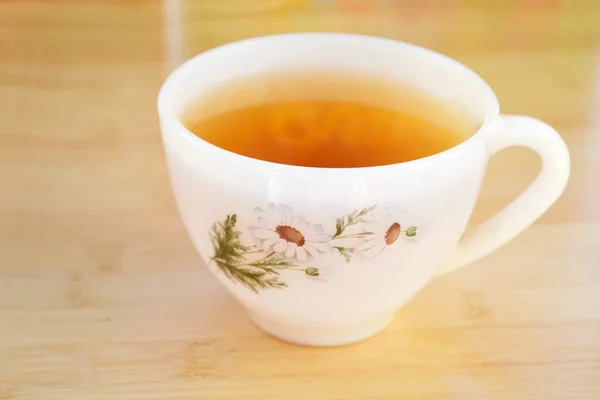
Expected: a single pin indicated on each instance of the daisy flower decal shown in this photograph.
(384, 230)
(287, 234)
(285, 241)
(383, 235)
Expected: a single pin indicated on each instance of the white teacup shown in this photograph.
(326, 256)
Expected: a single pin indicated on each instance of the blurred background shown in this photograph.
(103, 296)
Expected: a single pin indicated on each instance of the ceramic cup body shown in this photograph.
(325, 256)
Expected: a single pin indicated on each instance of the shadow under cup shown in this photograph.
(436, 194)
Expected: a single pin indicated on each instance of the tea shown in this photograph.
(330, 119)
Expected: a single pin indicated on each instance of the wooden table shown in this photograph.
(102, 295)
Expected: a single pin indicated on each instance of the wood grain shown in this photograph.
(102, 295)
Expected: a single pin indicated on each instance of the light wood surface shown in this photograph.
(102, 295)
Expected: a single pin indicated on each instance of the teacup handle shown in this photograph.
(532, 203)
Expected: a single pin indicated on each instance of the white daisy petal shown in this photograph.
(303, 227)
(279, 215)
(311, 250)
(266, 222)
(374, 227)
(322, 247)
(272, 213)
(318, 228)
(291, 250)
(366, 249)
(265, 234)
(348, 242)
(280, 246)
(310, 230)
(298, 220)
(288, 213)
(267, 244)
(301, 254)
(318, 238)
(268, 214)
(261, 212)
(296, 230)
(275, 212)
(372, 241)
(374, 251)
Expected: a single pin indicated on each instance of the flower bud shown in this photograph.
(411, 231)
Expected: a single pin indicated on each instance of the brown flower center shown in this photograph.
(392, 234)
(290, 234)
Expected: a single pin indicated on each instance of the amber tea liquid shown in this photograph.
(329, 119)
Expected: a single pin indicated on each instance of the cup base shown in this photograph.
(321, 336)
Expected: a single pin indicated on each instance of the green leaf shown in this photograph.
(355, 217)
(229, 255)
(411, 231)
(272, 260)
(346, 252)
(339, 226)
(312, 271)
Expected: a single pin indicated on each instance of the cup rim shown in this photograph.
(167, 113)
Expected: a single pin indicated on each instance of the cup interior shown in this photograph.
(425, 70)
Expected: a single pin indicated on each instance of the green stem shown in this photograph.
(254, 251)
(296, 269)
(261, 259)
(269, 268)
(353, 235)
